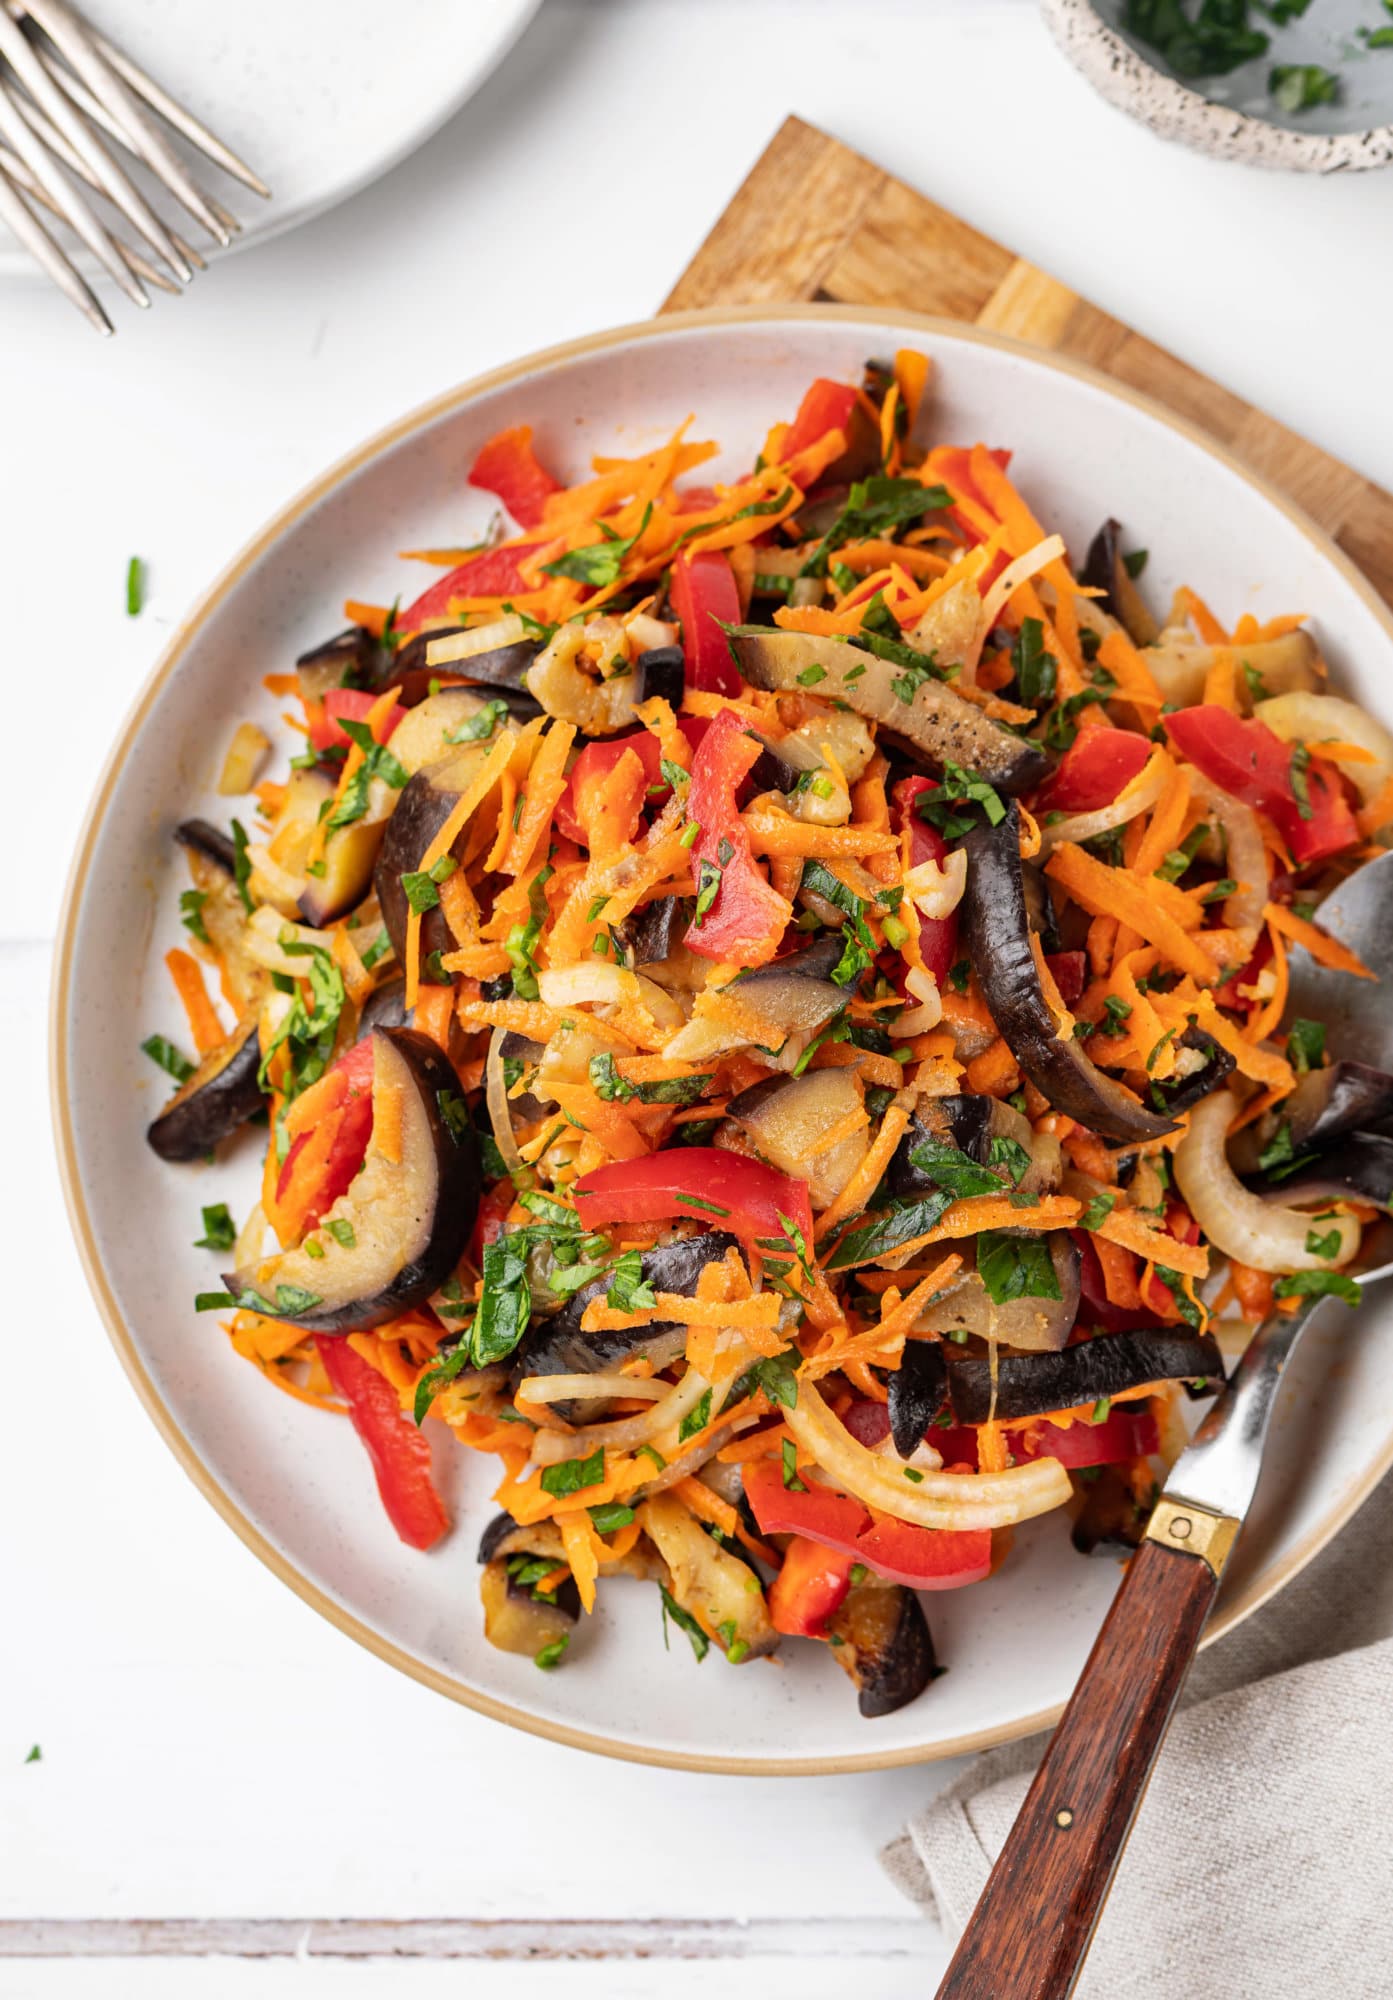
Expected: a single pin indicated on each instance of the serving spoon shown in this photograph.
(1029, 1934)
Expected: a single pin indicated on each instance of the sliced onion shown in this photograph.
(1008, 583)
(627, 1433)
(269, 882)
(936, 890)
(1134, 799)
(940, 1499)
(250, 1237)
(561, 1388)
(648, 633)
(665, 1012)
(496, 1097)
(1313, 718)
(1246, 859)
(262, 936)
(478, 639)
(701, 1453)
(1241, 1224)
(919, 1020)
(245, 752)
(595, 980)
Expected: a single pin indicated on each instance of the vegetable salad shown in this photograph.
(765, 1006)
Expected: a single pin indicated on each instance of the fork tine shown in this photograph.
(26, 184)
(174, 114)
(76, 211)
(105, 98)
(41, 246)
(14, 46)
(80, 170)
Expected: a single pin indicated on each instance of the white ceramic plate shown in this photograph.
(294, 1482)
(320, 97)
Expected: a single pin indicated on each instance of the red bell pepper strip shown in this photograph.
(1128, 1431)
(745, 922)
(938, 936)
(1250, 761)
(811, 1584)
(325, 728)
(492, 573)
(400, 1454)
(347, 1095)
(597, 761)
(1094, 769)
(1096, 1309)
(508, 467)
(703, 590)
(826, 406)
(900, 1551)
(488, 1223)
(701, 1183)
(1069, 971)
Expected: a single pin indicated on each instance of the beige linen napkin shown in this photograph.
(1261, 1863)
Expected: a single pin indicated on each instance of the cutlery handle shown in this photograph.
(1029, 1934)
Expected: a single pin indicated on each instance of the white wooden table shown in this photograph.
(221, 1773)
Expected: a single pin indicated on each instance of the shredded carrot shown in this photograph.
(1129, 1228)
(205, 1027)
(1112, 892)
(1324, 949)
(868, 1173)
(994, 1073)
(435, 1011)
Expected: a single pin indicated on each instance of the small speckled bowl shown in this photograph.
(1235, 117)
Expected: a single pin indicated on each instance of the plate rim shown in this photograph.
(265, 221)
(933, 327)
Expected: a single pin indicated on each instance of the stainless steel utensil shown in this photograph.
(1029, 1934)
(76, 117)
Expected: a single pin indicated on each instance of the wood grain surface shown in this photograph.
(1031, 1928)
(814, 220)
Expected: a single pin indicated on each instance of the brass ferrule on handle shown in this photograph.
(1179, 1524)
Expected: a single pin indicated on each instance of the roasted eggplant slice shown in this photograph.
(974, 1125)
(996, 931)
(517, 1618)
(201, 837)
(661, 672)
(1289, 665)
(222, 1094)
(422, 808)
(1358, 1166)
(785, 1118)
(1111, 1518)
(881, 1640)
(407, 1218)
(916, 1390)
(1325, 1105)
(1186, 1091)
(352, 658)
(719, 1590)
(653, 933)
(938, 722)
(1028, 1385)
(1034, 1325)
(503, 667)
(559, 1347)
(1105, 569)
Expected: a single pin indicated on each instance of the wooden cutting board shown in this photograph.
(814, 220)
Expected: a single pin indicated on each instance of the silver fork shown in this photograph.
(65, 92)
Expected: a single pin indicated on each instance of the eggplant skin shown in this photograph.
(936, 722)
(1218, 1066)
(653, 933)
(812, 961)
(996, 930)
(1326, 1105)
(559, 1347)
(1359, 1165)
(1029, 1385)
(200, 836)
(1111, 1517)
(916, 1390)
(885, 1646)
(222, 1094)
(1104, 569)
(663, 673)
(385, 1009)
(349, 1297)
(420, 812)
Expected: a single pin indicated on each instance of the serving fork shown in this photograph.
(1030, 1932)
(76, 114)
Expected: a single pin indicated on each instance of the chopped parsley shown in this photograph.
(573, 1475)
(599, 563)
(876, 506)
(959, 787)
(171, 1060)
(788, 1455)
(684, 1622)
(1306, 1045)
(378, 762)
(1036, 670)
(1317, 1284)
(135, 587)
(219, 1230)
(1015, 1267)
